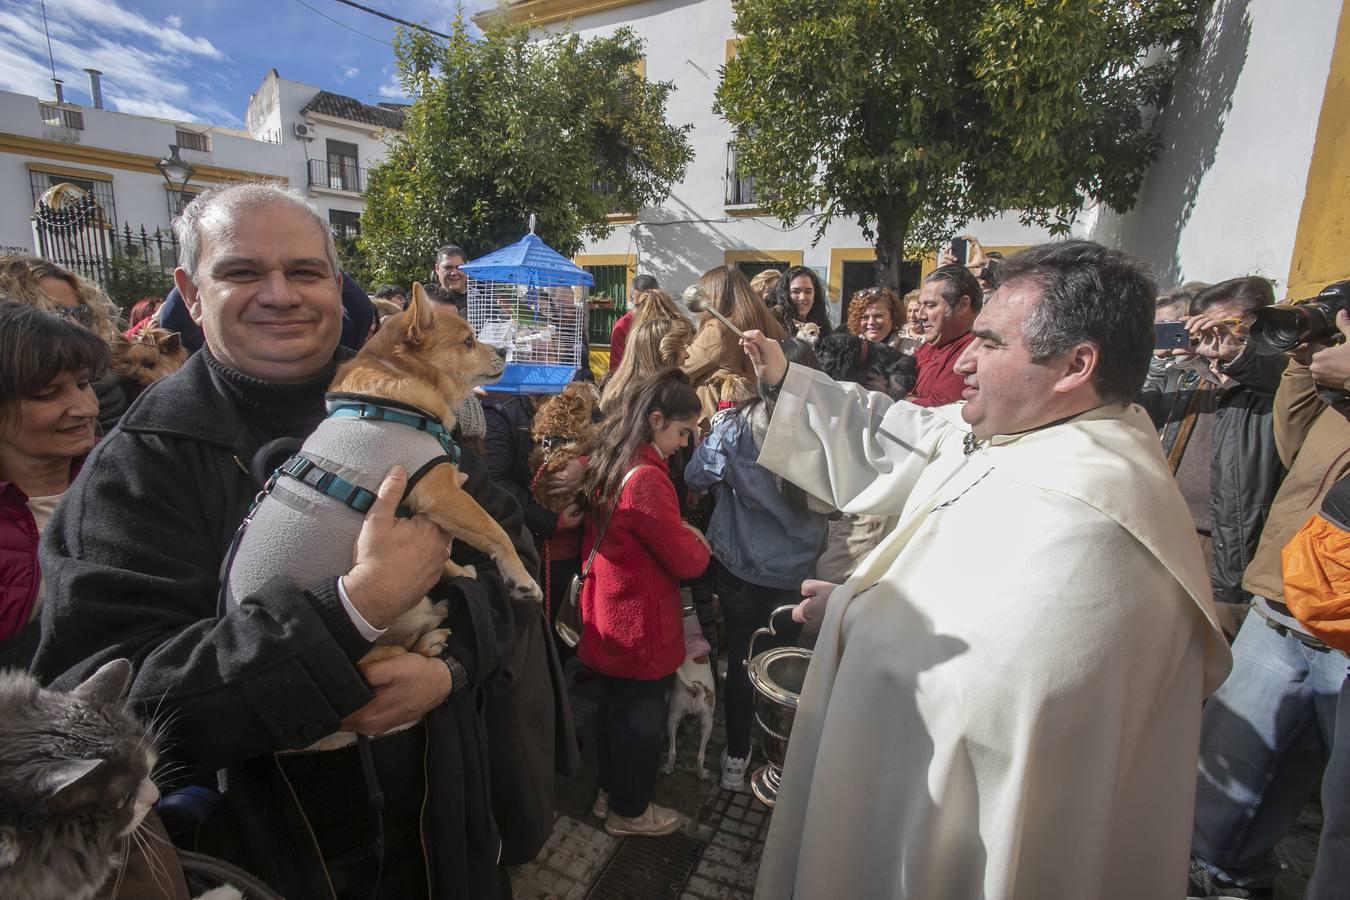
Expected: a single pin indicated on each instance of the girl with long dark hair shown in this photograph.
(798, 299)
(633, 635)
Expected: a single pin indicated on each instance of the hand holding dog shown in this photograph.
(396, 560)
(766, 355)
(407, 687)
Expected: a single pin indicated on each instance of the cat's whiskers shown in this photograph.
(158, 871)
(122, 866)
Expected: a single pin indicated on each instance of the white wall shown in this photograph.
(1223, 198)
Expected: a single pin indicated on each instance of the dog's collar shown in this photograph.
(553, 441)
(341, 406)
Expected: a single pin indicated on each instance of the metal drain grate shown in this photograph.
(648, 869)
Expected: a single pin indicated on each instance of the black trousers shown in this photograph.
(745, 608)
(332, 790)
(628, 739)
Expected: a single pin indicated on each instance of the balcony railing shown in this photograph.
(337, 176)
(61, 116)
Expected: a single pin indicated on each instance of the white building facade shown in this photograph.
(1248, 180)
(317, 142)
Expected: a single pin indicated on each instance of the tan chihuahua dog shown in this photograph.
(393, 403)
(430, 359)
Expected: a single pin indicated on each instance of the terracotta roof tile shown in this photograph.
(353, 110)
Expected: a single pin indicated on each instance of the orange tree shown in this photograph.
(914, 117)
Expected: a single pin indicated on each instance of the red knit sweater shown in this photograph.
(938, 382)
(630, 603)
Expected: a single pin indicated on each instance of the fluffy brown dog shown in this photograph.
(147, 356)
(564, 428)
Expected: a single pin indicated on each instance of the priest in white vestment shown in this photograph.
(1004, 700)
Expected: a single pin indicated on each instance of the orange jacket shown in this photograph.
(1316, 566)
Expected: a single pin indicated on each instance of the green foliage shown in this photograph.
(355, 263)
(915, 117)
(130, 279)
(503, 127)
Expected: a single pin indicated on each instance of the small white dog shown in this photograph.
(810, 332)
(693, 695)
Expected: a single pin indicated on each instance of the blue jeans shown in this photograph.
(1265, 737)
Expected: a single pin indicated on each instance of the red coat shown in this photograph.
(630, 603)
(618, 339)
(19, 575)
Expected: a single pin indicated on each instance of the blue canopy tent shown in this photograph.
(530, 298)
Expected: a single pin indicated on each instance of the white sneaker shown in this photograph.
(733, 771)
(600, 808)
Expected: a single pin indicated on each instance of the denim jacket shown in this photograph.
(754, 532)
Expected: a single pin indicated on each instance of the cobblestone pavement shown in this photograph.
(731, 828)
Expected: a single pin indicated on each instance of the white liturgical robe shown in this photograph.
(1004, 699)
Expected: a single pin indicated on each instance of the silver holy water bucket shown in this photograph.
(777, 675)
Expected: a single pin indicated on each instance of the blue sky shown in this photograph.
(199, 61)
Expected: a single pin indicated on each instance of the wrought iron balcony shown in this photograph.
(337, 175)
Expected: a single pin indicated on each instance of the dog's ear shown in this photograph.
(421, 317)
(173, 343)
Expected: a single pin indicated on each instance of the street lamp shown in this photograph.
(177, 173)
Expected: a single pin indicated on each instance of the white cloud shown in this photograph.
(392, 89)
(174, 21)
(107, 15)
(144, 64)
(347, 74)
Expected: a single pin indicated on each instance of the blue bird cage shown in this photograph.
(531, 300)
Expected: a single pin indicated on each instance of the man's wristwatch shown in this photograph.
(459, 676)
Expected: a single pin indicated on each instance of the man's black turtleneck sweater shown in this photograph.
(270, 411)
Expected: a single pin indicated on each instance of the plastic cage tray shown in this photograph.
(531, 378)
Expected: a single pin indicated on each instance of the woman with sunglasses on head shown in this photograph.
(875, 314)
(47, 286)
(47, 410)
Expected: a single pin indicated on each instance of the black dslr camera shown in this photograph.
(1279, 329)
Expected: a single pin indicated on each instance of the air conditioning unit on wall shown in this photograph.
(304, 131)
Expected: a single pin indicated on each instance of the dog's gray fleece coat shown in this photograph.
(308, 536)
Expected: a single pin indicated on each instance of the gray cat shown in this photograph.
(74, 784)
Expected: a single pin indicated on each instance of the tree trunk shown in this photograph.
(893, 218)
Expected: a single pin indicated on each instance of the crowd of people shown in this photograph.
(1020, 537)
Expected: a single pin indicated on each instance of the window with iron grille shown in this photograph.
(102, 191)
(191, 140)
(343, 173)
(611, 282)
(345, 224)
(54, 114)
(177, 201)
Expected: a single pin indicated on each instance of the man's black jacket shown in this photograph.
(132, 558)
(1245, 469)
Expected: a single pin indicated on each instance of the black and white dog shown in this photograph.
(877, 367)
(692, 696)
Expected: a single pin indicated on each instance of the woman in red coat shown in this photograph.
(633, 635)
(48, 412)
